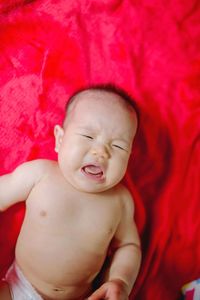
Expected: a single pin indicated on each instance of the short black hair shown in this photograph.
(110, 88)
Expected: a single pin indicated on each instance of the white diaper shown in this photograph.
(20, 287)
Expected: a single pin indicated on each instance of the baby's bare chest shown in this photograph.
(68, 214)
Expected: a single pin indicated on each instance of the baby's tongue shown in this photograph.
(91, 169)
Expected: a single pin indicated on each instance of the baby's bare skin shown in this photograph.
(77, 208)
(66, 235)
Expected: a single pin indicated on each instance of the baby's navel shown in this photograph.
(58, 289)
(43, 213)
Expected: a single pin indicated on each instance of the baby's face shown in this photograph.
(95, 144)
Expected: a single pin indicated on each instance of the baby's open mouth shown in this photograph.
(93, 171)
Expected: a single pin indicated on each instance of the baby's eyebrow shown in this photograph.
(84, 128)
(120, 139)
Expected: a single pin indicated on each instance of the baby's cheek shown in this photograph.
(119, 168)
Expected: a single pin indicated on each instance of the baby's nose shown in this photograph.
(100, 152)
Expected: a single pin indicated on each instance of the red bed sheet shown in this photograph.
(48, 49)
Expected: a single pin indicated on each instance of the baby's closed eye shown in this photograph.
(87, 136)
(120, 147)
(117, 146)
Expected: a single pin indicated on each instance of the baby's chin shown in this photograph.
(90, 187)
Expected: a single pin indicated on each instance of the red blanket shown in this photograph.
(49, 48)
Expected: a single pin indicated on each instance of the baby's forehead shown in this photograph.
(102, 102)
(100, 97)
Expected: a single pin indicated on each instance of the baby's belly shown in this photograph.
(58, 267)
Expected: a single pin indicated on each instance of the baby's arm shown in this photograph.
(16, 186)
(126, 260)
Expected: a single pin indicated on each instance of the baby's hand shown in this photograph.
(112, 290)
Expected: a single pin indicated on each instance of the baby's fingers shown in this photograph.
(109, 291)
(99, 294)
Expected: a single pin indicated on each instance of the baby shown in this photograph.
(76, 208)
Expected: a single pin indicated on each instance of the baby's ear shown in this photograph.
(58, 134)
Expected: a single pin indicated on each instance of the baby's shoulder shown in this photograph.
(40, 164)
(123, 191)
(31, 172)
(43, 164)
(36, 168)
(125, 197)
